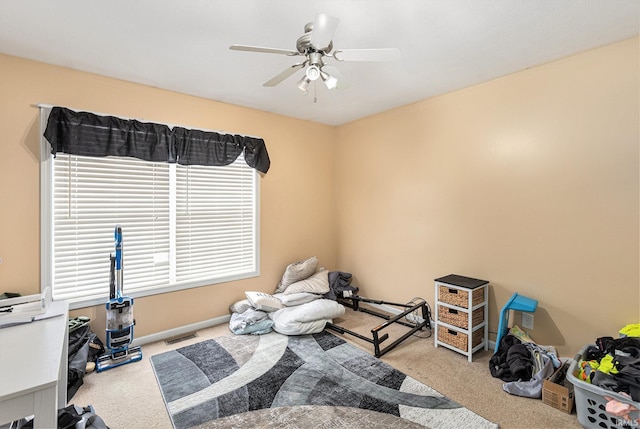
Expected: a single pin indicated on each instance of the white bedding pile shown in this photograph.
(308, 318)
(296, 308)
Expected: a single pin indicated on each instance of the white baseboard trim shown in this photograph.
(176, 332)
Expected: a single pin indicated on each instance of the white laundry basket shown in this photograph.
(591, 404)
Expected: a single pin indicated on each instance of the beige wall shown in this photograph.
(529, 181)
(296, 194)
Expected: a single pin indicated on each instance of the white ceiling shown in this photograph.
(182, 45)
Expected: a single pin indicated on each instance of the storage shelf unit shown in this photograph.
(461, 314)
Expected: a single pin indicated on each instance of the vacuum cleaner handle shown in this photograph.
(118, 244)
(112, 278)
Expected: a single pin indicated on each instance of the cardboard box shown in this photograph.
(557, 391)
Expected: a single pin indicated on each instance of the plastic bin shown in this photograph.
(591, 404)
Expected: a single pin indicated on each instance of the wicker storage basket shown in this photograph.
(591, 404)
(458, 339)
(460, 298)
(460, 318)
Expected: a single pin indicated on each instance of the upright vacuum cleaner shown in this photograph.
(119, 317)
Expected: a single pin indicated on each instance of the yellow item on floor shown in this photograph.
(632, 330)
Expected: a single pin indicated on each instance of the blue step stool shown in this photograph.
(517, 302)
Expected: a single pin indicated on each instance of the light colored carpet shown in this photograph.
(129, 396)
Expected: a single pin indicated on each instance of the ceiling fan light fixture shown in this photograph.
(303, 83)
(312, 72)
(329, 81)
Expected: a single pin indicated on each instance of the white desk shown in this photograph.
(33, 368)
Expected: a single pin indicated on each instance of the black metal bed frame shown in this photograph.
(354, 303)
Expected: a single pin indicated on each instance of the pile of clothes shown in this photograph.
(523, 364)
(613, 364)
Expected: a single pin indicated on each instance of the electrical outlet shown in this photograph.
(527, 320)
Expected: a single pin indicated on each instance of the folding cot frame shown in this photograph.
(354, 303)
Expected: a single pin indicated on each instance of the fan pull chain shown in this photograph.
(315, 91)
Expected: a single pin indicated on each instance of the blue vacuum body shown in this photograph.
(120, 322)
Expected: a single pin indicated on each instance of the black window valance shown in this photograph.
(88, 134)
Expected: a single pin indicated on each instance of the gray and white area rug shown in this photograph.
(280, 381)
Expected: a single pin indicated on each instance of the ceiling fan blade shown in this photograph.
(263, 50)
(382, 54)
(323, 28)
(282, 76)
(343, 82)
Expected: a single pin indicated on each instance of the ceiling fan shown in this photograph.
(316, 45)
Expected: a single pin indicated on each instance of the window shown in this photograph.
(183, 226)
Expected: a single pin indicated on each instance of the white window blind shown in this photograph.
(215, 225)
(183, 226)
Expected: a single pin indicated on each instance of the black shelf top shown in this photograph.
(461, 281)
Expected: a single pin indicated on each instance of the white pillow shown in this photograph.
(297, 271)
(292, 327)
(293, 299)
(317, 283)
(240, 306)
(263, 301)
(308, 318)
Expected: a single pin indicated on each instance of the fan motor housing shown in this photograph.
(303, 44)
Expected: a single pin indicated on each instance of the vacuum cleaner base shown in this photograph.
(108, 361)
